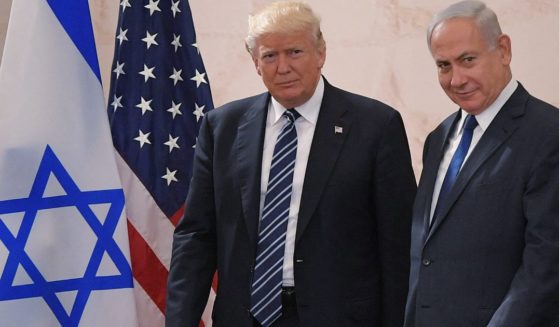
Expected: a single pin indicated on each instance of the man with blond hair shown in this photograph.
(301, 197)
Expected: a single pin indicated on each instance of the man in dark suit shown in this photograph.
(485, 235)
(342, 256)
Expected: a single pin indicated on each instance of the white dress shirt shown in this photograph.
(484, 119)
(305, 126)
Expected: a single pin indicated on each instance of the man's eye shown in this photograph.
(268, 57)
(296, 52)
(469, 59)
(443, 65)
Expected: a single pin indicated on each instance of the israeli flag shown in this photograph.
(64, 253)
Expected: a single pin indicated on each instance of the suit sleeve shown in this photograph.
(533, 297)
(193, 260)
(395, 189)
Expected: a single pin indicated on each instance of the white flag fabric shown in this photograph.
(64, 253)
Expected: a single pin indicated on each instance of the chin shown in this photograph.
(467, 106)
(471, 111)
(289, 98)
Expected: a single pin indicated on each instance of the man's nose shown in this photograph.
(284, 64)
(458, 77)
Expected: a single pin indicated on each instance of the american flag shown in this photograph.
(158, 97)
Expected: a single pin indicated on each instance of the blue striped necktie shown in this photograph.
(267, 277)
(456, 162)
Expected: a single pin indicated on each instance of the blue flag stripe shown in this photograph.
(75, 17)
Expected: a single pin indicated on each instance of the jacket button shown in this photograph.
(426, 262)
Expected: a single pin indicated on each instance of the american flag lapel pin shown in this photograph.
(338, 130)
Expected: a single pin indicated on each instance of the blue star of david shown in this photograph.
(105, 243)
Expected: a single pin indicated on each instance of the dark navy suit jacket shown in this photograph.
(351, 261)
(491, 257)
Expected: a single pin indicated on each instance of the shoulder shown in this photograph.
(360, 102)
(540, 116)
(230, 113)
(540, 127)
(237, 107)
(546, 113)
(365, 110)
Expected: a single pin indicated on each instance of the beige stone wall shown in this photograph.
(375, 48)
(5, 6)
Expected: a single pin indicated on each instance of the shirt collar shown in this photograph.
(308, 110)
(486, 117)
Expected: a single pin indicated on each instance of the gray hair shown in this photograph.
(284, 17)
(483, 16)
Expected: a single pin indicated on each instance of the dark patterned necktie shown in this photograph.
(267, 277)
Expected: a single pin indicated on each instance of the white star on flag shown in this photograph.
(176, 76)
(172, 143)
(124, 4)
(144, 105)
(175, 109)
(122, 36)
(175, 8)
(153, 6)
(198, 112)
(196, 46)
(147, 72)
(116, 102)
(170, 176)
(150, 39)
(199, 78)
(142, 138)
(119, 69)
(176, 42)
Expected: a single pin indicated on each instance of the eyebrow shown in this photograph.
(460, 57)
(465, 54)
(441, 61)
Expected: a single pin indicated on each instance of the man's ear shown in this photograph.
(322, 57)
(256, 64)
(505, 49)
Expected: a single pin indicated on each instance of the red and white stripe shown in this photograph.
(150, 234)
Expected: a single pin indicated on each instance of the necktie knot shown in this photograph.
(471, 123)
(291, 114)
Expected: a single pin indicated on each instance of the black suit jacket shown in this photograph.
(491, 257)
(353, 231)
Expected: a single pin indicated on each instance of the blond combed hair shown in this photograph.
(284, 17)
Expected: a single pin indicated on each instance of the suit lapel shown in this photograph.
(327, 142)
(431, 165)
(500, 129)
(250, 140)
